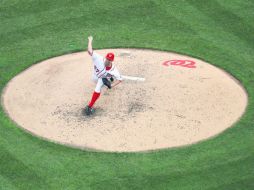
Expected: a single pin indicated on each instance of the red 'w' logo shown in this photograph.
(182, 63)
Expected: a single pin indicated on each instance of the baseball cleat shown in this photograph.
(88, 111)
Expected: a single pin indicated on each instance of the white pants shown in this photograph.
(99, 83)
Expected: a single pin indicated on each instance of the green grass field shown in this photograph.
(220, 32)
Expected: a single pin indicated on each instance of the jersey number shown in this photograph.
(96, 70)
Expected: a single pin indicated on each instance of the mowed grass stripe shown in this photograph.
(84, 23)
(243, 9)
(230, 21)
(212, 176)
(22, 7)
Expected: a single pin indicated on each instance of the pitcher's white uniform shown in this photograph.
(100, 71)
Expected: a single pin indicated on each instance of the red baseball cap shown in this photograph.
(110, 56)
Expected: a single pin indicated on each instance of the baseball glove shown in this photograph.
(111, 79)
(106, 82)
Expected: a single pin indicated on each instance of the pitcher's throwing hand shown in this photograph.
(90, 38)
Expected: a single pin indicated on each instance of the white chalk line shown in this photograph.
(133, 78)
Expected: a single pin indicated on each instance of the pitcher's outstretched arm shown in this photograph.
(89, 46)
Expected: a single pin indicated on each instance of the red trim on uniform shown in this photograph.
(95, 96)
(108, 68)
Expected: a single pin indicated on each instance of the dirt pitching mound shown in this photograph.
(166, 100)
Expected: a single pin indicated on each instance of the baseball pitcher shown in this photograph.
(105, 73)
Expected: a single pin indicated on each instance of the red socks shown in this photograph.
(95, 96)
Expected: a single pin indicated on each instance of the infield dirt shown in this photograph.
(176, 105)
